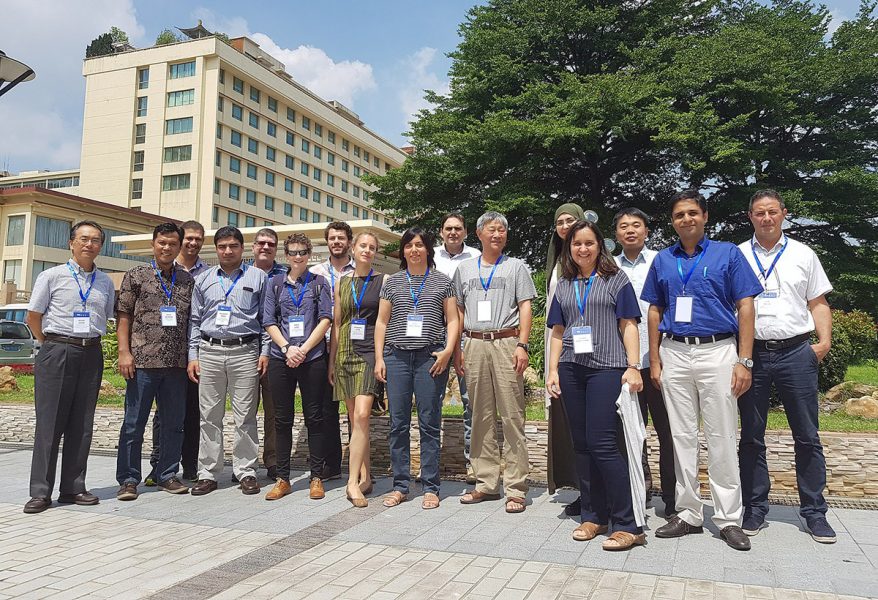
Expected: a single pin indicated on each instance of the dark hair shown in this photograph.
(167, 229)
(338, 226)
(452, 215)
(192, 225)
(631, 211)
(297, 238)
(266, 231)
(407, 237)
(605, 264)
(227, 232)
(693, 195)
(767, 193)
(79, 224)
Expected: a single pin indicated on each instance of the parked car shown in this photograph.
(14, 312)
(17, 344)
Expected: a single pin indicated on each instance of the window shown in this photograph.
(15, 230)
(237, 112)
(377, 163)
(270, 153)
(252, 145)
(318, 174)
(249, 221)
(38, 267)
(234, 164)
(53, 233)
(215, 216)
(356, 191)
(136, 189)
(386, 221)
(345, 165)
(356, 151)
(315, 196)
(288, 185)
(315, 218)
(269, 178)
(330, 180)
(365, 214)
(330, 158)
(304, 168)
(254, 120)
(344, 207)
(345, 145)
(269, 203)
(356, 210)
(141, 106)
(234, 191)
(143, 78)
(306, 146)
(291, 139)
(175, 182)
(356, 171)
(366, 156)
(303, 190)
(254, 94)
(318, 152)
(12, 271)
(318, 129)
(138, 160)
(140, 133)
(251, 171)
(251, 197)
(186, 69)
(178, 153)
(289, 162)
(233, 218)
(272, 104)
(303, 214)
(219, 131)
(181, 98)
(173, 126)
(306, 123)
(291, 116)
(344, 186)
(272, 129)
(237, 85)
(365, 195)
(236, 138)
(216, 186)
(330, 135)
(222, 79)
(288, 209)
(219, 103)
(330, 201)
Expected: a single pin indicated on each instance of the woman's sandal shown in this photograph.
(588, 531)
(515, 505)
(623, 540)
(430, 500)
(394, 498)
(357, 502)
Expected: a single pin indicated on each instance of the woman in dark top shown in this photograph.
(412, 352)
(595, 349)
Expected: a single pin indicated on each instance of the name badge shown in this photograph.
(767, 304)
(297, 326)
(82, 322)
(683, 310)
(358, 329)
(169, 316)
(223, 315)
(414, 326)
(484, 311)
(582, 340)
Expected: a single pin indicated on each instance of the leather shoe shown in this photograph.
(315, 489)
(574, 509)
(249, 485)
(82, 499)
(203, 486)
(735, 537)
(37, 505)
(280, 489)
(677, 527)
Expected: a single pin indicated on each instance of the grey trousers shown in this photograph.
(67, 379)
(228, 371)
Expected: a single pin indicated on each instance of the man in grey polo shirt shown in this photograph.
(68, 313)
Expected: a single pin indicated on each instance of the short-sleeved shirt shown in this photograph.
(721, 278)
(796, 279)
(280, 304)
(510, 285)
(636, 271)
(609, 299)
(397, 290)
(56, 295)
(447, 263)
(197, 269)
(153, 345)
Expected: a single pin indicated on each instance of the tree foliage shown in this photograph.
(119, 36)
(100, 46)
(167, 36)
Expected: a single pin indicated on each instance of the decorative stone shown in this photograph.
(7, 380)
(847, 390)
(107, 389)
(865, 407)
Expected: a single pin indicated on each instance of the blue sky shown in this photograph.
(375, 56)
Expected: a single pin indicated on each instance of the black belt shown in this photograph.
(710, 339)
(238, 341)
(73, 341)
(781, 344)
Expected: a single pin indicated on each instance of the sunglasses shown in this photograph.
(298, 252)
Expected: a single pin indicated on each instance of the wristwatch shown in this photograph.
(285, 349)
(526, 347)
(747, 362)
(637, 366)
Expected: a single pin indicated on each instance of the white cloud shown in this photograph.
(416, 78)
(836, 18)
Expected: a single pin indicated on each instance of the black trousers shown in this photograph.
(311, 378)
(191, 432)
(651, 402)
(67, 379)
(331, 434)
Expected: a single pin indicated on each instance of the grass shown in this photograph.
(866, 372)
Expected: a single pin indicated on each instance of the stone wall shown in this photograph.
(851, 458)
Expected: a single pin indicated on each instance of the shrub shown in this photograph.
(110, 344)
(537, 357)
(853, 341)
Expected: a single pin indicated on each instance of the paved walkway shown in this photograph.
(228, 545)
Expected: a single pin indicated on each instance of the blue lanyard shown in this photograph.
(298, 301)
(581, 302)
(767, 274)
(158, 274)
(222, 285)
(359, 301)
(416, 297)
(688, 276)
(83, 296)
(485, 286)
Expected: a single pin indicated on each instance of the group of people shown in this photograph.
(678, 327)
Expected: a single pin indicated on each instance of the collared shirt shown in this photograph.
(153, 345)
(797, 278)
(279, 307)
(721, 278)
(636, 272)
(56, 297)
(246, 300)
(448, 263)
(510, 285)
(331, 274)
(197, 269)
(276, 268)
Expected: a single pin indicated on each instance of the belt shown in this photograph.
(73, 341)
(781, 344)
(238, 341)
(497, 334)
(710, 339)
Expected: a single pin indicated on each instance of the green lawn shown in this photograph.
(866, 372)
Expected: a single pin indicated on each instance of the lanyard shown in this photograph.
(83, 295)
(416, 297)
(158, 274)
(581, 302)
(359, 301)
(767, 274)
(485, 286)
(298, 301)
(222, 285)
(688, 276)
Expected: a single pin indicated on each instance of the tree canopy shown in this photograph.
(167, 36)
(100, 46)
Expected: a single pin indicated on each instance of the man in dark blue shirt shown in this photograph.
(701, 293)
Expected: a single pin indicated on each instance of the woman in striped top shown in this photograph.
(412, 352)
(595, 348)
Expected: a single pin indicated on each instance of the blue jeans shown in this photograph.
(408, 372)
(794, 374)
(168, 388)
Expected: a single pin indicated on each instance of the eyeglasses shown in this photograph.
(87, 241)
(563, 222)
(298, 252)
(268, 243)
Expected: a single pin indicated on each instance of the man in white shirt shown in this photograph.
(791, 307)
(448, 256)
(631, 233)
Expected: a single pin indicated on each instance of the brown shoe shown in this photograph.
(315, 489)
(37, 505)
(475, 496)
(81, 499)
(173, 486)
(204, 486)
(249, 485)
(281, 488)
(127, 491)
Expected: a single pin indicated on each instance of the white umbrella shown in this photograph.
(628, 409)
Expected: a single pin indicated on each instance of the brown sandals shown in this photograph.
(394, 498)
(622, 540)
(588, 531)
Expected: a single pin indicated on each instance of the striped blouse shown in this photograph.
(398, 292)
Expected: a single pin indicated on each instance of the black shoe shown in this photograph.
(37, 505)
(677, 527)
(670, 509)
(753, 524)
(234, 479)
(821, 531)
(735, 537)
(190, 475)
(272, 473)
(574, 509)
(81, 499)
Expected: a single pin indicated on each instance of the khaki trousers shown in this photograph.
(493, 387)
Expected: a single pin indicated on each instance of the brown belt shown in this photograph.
(73, 341)
(497, 334)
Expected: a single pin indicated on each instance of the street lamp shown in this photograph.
(13, 72)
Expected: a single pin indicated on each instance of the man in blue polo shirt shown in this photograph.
(694, 289)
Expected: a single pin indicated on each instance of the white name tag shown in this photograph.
(169, 316)
(297, 326)
(82, 322)
(582, 340)
(414, 326)
(767, 304)
(683, 311)
(358, 329)
(223, 315)
(484, 311)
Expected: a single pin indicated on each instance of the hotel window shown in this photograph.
(251, 197)
(330, 135)
(175, 182)
(237, 112)
(254, 94)
(233, 219)
(272, 104)
(291, 115)
(330, 158)
(344, 186)
(318, 174)
(249, 221)
(179, 153)
(136, 189)
(181, 98)
(141, 106)
(238, 85)
(12, 271)
(318, 152)
(143, 78)
(38, 267)
(270, 153)
(315, 218)
(288, 209)
(330, 202)
(289, 162)
(304, 168)
(215, 214)
(252, 145)
(365, 214)
(386, 221)
(356, 151)
(366, 156)
(344, 207)
(269, 203)
(306, 123)
(344, 145)
(219, 131)
(303, 190)
(219, 104)
(140, 133)
(216, 186)
(356, 191)
(318, 129)
(254, 120)
(306, 146)
(330, 180)
(15, 230)
(236, 138)
(251, 171)
(303, 214)
(288, 185)
(234, 164)
(138, 160)
(344, 165)
(365, 195)
(315, 196)
(234, 191)
(377, 163)
(356, 171)
(186, 69)
(174, 126)
(291, 139)
(222, 79)
(271, 129)
(54, 233)
(269, 178)
(356, 211)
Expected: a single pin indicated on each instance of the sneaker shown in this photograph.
(173, 486)
(753, 524)
(127, 491)
(821, 531)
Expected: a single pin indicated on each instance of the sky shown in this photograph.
(375, 56)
